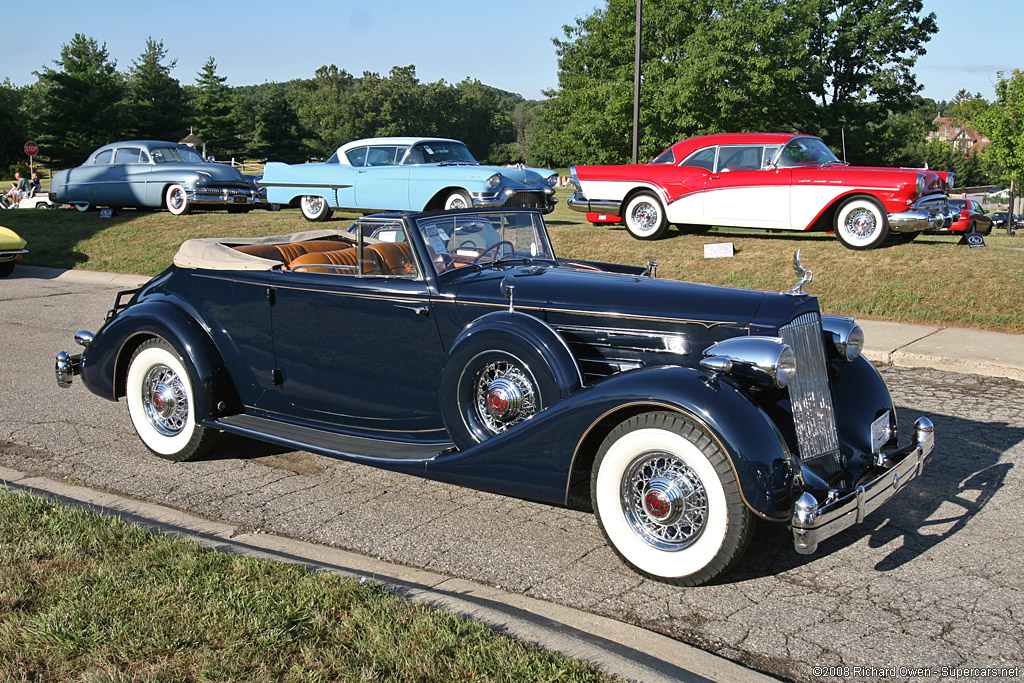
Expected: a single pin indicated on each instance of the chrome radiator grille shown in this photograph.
(810, 398)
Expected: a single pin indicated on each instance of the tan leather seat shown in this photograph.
(313, 246)
(394, 257)
(307, 263)
(288, 252)
(267, 251)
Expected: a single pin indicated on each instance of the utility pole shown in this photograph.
(636, 83)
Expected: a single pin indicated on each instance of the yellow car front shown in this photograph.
(12, 248)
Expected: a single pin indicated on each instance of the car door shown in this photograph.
(134, 167)
(382, 183)
(742, 191)
(358, 348)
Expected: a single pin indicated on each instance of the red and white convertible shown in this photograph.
(777, 181)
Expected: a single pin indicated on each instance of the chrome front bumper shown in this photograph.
(510, 197)
(579, 202)
(813, 522)
(226, 196)
(927, 213)
(66, 365)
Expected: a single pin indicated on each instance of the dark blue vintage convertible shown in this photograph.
(455, 345)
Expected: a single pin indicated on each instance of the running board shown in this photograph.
(328, 443)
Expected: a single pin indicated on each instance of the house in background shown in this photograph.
(962, 138)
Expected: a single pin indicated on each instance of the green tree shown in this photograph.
(80, 103)
(12, 123)
(276, 132)
(1003, 124)
(216, 116)
(155, 101)
(325, 109)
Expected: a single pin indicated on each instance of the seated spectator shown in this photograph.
(36, 186)
(19, 188)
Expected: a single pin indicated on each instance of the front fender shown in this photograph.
(105, 360)
(536, 459)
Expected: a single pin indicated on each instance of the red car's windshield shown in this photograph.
(806, 152)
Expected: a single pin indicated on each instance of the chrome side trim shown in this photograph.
(814, 522)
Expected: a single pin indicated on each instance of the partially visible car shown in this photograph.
(12, 248)
(405, 174)
(457, 346)
(777, 181)
(971, 217)
(999, 221)
(158, 175)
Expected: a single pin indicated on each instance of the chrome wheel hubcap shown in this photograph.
(861, 223)
(314, 205)
(177, 199)
(644, 217)
(165, 401)
(504, 396)
(664, 501)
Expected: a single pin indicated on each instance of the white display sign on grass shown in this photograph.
(719, 250)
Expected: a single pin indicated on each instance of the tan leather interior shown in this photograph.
(345, 257)
(394, 257)
(267, 251)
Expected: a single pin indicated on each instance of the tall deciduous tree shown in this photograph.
(325, 109)
(1003, 124)
(12, 123)
(215, 112)
(80, 104)
(155, 101)
(276, 134)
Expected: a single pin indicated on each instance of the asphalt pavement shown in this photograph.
(52, 443)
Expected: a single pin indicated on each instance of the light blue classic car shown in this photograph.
(155, 174)
(405, 174)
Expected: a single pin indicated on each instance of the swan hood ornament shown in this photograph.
(804, 274)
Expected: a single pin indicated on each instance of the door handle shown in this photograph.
(418, 310)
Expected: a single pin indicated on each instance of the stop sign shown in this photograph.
(31, 148)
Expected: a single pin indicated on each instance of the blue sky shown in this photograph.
(506, 45)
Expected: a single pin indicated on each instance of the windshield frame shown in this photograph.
(454, 239)
(407, 158)
(777, 159)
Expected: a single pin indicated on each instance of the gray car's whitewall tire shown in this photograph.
(861, 223)
(176, 200)
(667, 499)
(458, 200)
(645, 217)
(314, 208)
(81, 206)
(161, 403)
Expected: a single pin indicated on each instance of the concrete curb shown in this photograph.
(620, 649)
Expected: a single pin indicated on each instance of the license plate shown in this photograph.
(240, 199)
(880, 432)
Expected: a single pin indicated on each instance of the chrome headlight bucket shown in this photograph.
(921, 186)
(763, 360)
(846, 335)
(552, 180)
(202, 179)
(494, 180)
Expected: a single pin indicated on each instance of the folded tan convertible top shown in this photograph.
(219, 253)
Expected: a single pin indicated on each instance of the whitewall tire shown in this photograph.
(861, 224)
(176, 200)
(314, 208)
(645, 217)
(458, 200)
(667, 499)
(161, 403)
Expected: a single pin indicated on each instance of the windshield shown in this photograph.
(806, 152)
(437, 151)
(163, 155)
(484, 239)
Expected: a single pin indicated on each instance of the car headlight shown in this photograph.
(920, 184)
(494, 180)
(950, 179)
(552, 180)
(202, 179)
(764, 360)
(847, 336)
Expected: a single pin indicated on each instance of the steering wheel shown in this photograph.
(493, 247)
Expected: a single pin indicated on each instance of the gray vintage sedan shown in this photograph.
(155, 174)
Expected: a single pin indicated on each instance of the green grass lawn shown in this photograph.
(90, 598)
(931, 281)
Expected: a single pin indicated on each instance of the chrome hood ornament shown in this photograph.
(805, 276)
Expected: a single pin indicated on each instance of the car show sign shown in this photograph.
(719, 250)
(975, 239)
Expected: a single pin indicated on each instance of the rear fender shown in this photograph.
(105, 361)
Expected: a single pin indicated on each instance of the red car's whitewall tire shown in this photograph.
(861, 223)
(645, 217)
(668, 501)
